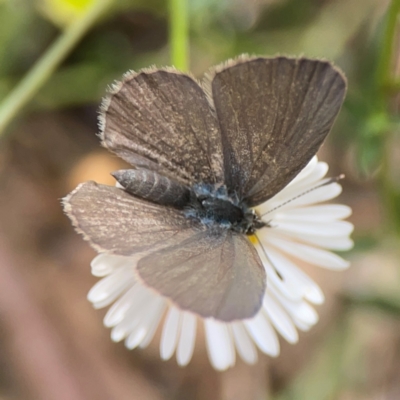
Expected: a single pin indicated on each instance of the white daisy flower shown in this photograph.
(298, 227)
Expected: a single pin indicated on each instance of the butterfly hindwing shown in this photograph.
(214, 274)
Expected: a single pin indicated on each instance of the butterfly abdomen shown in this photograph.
(151, 186)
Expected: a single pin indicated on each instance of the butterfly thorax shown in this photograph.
(213, 205)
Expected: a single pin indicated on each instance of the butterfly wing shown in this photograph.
(214, 274)
(274, 114)
(161, 120)
(118, 223)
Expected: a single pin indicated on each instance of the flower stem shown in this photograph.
(384, 67)
(179, 33)
(48, 63)
(384, 81)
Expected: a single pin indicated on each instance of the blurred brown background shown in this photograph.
(52, 343)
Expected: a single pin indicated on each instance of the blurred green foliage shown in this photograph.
(218, 30)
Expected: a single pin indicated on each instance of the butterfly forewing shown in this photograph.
(118, 223)
(214, 274)
(162, 120)
(274, 114)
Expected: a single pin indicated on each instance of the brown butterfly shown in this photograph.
(203, 154)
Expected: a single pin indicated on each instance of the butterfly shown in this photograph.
(203, 154)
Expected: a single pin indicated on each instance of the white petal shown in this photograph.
(305, 180)
(300, 310)
(121, 331)
(332, 243)
(316, 174)
(103, 264)
(321, 213)
(302, 185)
(318, 195)
(291, 282)
(154, 324)
(170, 333)
(187, 339)
(135, 337)
(141, 330)
(279, 318)
(117, 312)
(288, 288)
(294, 277)
(136, 313)
(263, 334)
(301, 325)
(306, 171)
(244, 345)
(109, 288)
(305, 192)
(312, 255)
(219, 344)
(270, 208)
(332, 229)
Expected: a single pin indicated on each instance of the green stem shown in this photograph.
(48, 63)
(179, 33)
(383, 81)
(385, 59)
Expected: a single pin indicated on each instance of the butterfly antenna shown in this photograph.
(269, 259)
(325, 182)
